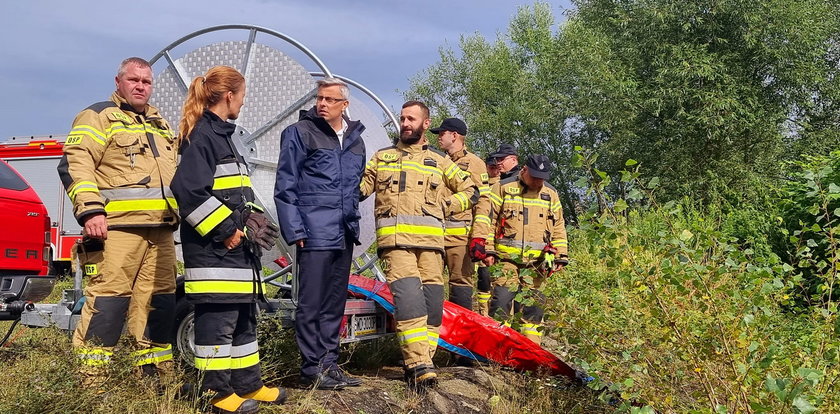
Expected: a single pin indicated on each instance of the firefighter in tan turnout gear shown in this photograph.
(409, 180)
(529, 233)
(484, 294)
(451, 134)
(119, 159)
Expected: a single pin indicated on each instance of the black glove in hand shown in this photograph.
(260, 230)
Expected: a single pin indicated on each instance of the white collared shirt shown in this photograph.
(341, 133)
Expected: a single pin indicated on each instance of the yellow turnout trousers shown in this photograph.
(131, 284)
(416, 280)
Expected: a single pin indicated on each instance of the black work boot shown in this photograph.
(420, 378)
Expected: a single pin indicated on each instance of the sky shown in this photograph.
(58, 57)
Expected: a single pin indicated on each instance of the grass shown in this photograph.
(42, 376)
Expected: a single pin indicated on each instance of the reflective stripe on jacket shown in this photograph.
(458, 226)
(120, 162)
(524, 220)
(212, 187)
(411, 205)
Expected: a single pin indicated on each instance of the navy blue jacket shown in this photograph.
(317, 188)
(212, 188)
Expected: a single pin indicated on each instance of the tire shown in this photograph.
(183, 335)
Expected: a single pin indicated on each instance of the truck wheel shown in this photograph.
(184, 337)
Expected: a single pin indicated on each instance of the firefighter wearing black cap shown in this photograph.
(451, 134)
(409, 180)
(507, 160)
(529, 233)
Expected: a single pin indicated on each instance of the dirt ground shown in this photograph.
(460, 390)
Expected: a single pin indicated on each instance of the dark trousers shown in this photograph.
(226, 347)
(323, 276)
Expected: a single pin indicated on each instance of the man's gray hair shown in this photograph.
(345, 91)
(143, 63)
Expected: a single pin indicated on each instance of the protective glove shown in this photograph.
(260, 230)
(559, 263)
(547, 262)
(478, 250)
(549, 253)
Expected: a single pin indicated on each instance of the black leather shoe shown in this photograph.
(339, 375)
(322, 381)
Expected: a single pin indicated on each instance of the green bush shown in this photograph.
(683, 309)
(810, 212)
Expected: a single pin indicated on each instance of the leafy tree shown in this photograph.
(504, 91)
(708, 95)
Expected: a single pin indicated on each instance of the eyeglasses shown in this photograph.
(329, 99)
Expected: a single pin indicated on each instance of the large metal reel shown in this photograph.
(278, 87)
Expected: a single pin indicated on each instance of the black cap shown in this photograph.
(539, 166)
(491, 160)
(451, 124)
(504, 150)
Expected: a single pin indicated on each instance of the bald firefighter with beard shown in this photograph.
(409, 180)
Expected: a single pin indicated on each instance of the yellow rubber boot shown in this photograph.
(272, 395)
(233, 404)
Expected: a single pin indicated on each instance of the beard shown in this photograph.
(412, 138)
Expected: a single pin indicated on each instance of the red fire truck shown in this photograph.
(36, 159)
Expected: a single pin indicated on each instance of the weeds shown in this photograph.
(684, 316)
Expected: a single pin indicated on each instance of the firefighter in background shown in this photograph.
(507, 160)
(222, 233)
(409, 180)
(118, 162)
(529, 233)
(451, 134)
(484, 290)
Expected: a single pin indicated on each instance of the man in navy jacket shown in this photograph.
(322, 157)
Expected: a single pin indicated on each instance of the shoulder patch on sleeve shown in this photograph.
(485, 177)
(73, 140)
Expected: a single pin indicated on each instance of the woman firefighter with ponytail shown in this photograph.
(222, 233)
